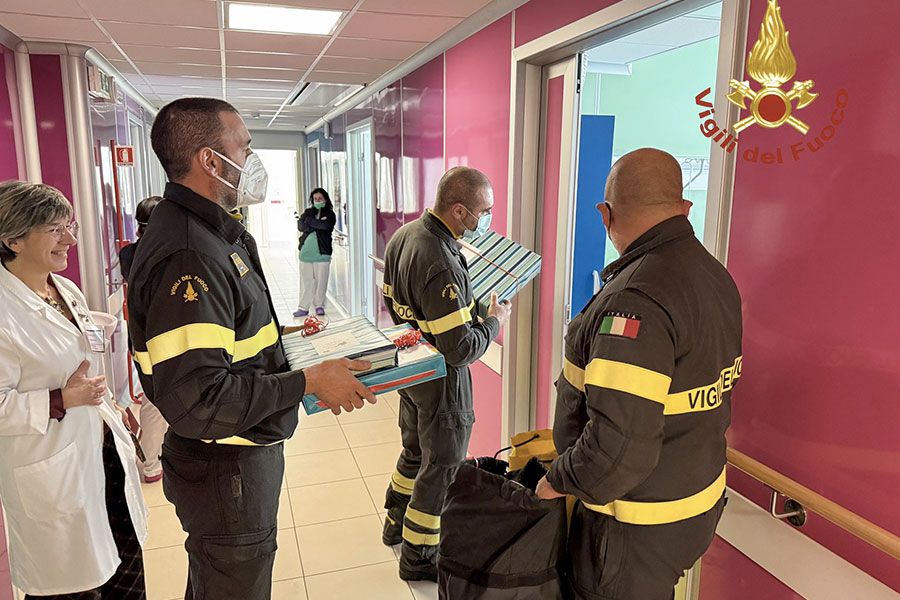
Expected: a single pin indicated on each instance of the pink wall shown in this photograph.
(812, 250)
(422, 165)
(539, 17)
(728, 574)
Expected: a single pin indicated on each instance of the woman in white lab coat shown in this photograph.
(68, 480)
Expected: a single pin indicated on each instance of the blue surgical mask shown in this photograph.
(484, 223)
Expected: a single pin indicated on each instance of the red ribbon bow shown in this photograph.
(408, 339)
(312, 325)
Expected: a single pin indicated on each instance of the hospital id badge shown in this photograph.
(95, 337)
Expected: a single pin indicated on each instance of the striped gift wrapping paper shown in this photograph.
(370, 344)
(498, 264)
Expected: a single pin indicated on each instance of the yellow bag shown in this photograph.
(532, 443)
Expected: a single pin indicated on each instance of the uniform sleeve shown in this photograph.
(326, 224)
(190, 348)
(21, 413)
(458, 335)
(626, 378)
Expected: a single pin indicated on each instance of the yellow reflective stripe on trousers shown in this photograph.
(630, 379)
(574, 375)
(448, 322)
(423, 519)
(401, 484)
(660, 513)
(421, 539)
(197, 336)
(239, 441)
(705, 397)
(250, 347)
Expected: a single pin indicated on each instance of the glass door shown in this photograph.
(361, 205)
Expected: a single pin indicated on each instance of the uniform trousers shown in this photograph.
(313, 284)
(436, 419)
(127, 583)
(610, 560)
(226, 498)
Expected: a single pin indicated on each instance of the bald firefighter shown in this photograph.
(426, 284)
(644, 398)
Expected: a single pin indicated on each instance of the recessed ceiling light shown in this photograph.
(281, 19)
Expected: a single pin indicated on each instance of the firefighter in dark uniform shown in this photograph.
(644, 398)
(209, 353)
(426, 284)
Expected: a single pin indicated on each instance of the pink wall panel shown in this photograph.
(478, 79)
(549, 218)
(488, 390)
(539, 17)
(388, 150)
(10, 126)
(50, 112)
(422, 164)
(812, 249)
(725, 573)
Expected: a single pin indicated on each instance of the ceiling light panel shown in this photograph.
(280, 19)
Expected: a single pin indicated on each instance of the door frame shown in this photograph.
(528, 60)
(362, 282)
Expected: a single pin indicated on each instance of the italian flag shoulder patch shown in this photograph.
(620, 324)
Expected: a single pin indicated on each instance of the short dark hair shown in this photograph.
(24, 206)
(459, 186)
(183, 127)
(143, 211)
(325, 195)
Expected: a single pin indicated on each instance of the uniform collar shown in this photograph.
(439, 227)
(670, 230)
(210, 212)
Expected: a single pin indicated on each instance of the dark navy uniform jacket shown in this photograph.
(203, 328)
(644, 398)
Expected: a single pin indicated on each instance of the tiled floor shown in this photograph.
(330, 516)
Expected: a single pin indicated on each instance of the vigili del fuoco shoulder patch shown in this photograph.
(618, 323)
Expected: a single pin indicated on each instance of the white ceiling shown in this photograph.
(172, 48)
(681, 31)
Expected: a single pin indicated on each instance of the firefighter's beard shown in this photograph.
(226, 196)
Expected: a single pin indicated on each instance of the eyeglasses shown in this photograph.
(57, 231)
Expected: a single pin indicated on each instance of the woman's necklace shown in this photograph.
(59, 307)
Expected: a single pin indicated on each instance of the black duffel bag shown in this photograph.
(498, 540)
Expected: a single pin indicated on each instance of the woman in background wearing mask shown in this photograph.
(315, 252)
(153, 425)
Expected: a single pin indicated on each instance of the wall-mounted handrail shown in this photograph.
(847, 520)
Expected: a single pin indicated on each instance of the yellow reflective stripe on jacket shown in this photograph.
(574, 375)
(250, 347)
(402, 484)
(660, 513)
(630, 379)
(705, 397)
(448, 322)
(423, 519)
(387, 291)
(239, 441)
(196, 336)
(421, 539)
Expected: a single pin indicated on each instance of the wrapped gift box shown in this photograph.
(415, 365)
(353, 338)
(497, 264)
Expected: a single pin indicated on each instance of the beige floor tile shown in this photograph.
(165, 572)
(287, 558)
(153, 494)
(342, 545)
(378, 459)
(393, 400)
(377, 486)
(370, 412)
(285, 514)
(320, 419)
(289, 589)
(372, 432)
(321, 467)
(319, 439)
(373, 582)
(164, 528)
(424, 590)
(330, 502)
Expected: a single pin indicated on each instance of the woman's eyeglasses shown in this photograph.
(59, 230)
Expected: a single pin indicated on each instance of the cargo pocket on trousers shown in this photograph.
(611, 553)
(455, 428)
(231, 553)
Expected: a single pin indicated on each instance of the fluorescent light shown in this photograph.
(281, 19)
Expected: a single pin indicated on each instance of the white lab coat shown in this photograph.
(52, 483)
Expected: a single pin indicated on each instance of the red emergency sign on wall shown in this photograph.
(124, 156)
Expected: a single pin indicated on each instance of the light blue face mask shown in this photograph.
(484, 223)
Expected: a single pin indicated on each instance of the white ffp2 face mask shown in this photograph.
(484, 223)
(251, 187)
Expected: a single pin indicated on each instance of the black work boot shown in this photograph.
(418, 563)
(396, 504)
(393, 531)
